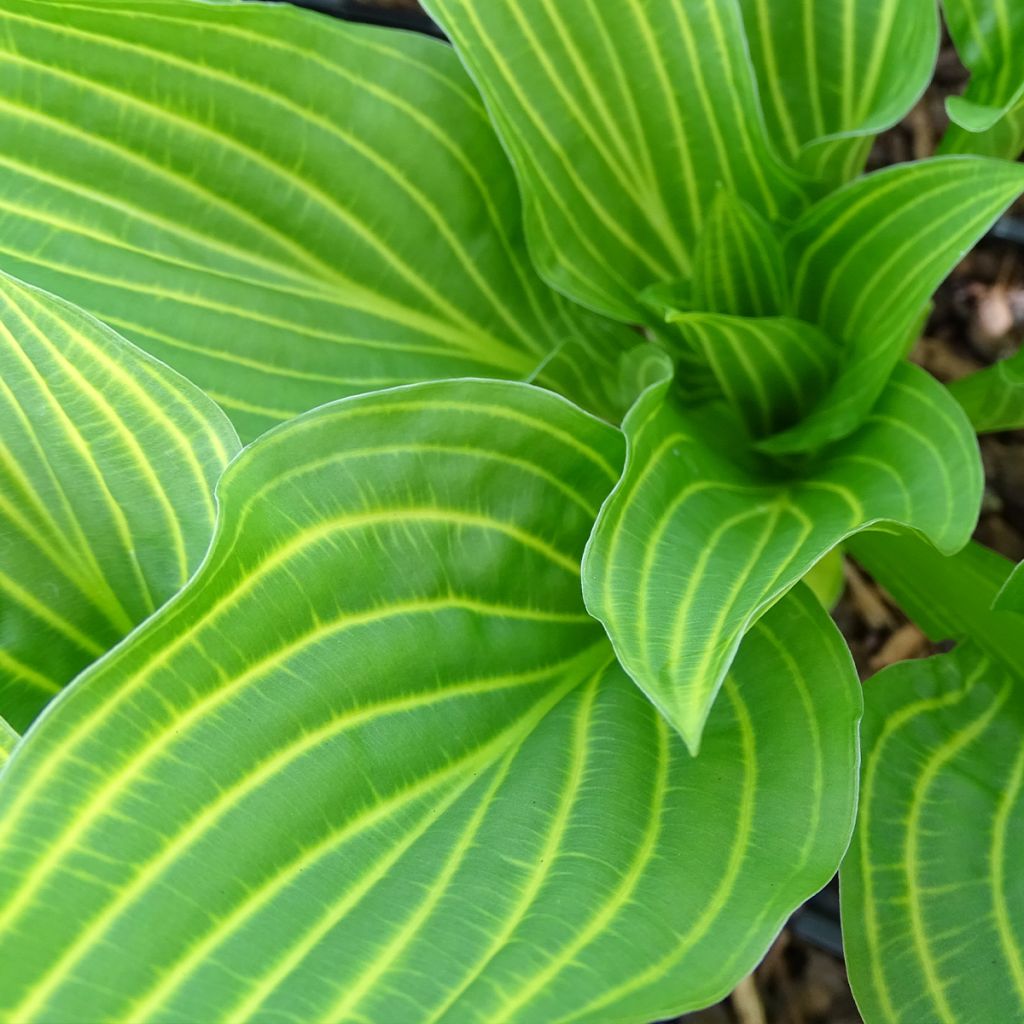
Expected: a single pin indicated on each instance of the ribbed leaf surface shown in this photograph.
(933, 901)
(989, 37)
(702, 535)
(285, 208)
(1011, 597)
(107, 467)
(833, 75)
(623, 119)
(909, 224)
(464, 809)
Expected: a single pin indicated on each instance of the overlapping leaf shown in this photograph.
(465, 809)
(865, 261)
(1004, 140)
(1011, 597)
(832, 77)
(989, 37)
(623, 119)
(702, 534)
(107, 467)
(285, 208)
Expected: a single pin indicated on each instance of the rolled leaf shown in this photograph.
(702, 535)
(465, 809)
(989, 37)
(771, 370)
(931, 896)
(832, 77)
(285, 208)
(909, 224)
(108, 461)
(623, 120)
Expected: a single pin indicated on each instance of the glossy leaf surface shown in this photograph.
(108, 461)
(623, 120)
(832, 76)
(932, 897)
(989, 37)
(702, 534)
(909, 224)
(285, 208)
(466, 810)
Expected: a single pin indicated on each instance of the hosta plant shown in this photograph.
(411, 456)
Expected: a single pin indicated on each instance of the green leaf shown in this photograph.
(739, 265)
(909, 224)
(623, 121)
(833, 78)
(827, 579)
(285, 208)
(949, 597)
(1011, 596)
(8, 738)
(464, 808)
(989, 37)
(993, 398)
(1004, 140)
(702, 535)
(772, 371)
(107, 467)
(932, 900)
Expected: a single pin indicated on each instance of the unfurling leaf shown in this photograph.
(465, 810)
(107, 465)
(702, 534)
(907, 225)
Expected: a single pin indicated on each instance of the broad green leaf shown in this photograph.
(107, 467)
(949, 597)
(285, 208)
(989, 37)
(865, 261)
(772, 371)
(8, 738)
(465, 810)
(832, 76)
(1004, 140)
(623, 121)
(702, 534)
(993, 398)
(932, 895)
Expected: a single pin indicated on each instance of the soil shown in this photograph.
(978, 318)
